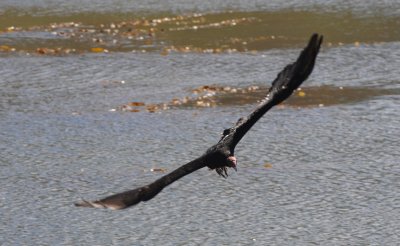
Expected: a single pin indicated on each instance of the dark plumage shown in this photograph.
(221, 156)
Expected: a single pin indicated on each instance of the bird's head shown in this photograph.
(231, 160)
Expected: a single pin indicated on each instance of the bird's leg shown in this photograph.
(222, 171)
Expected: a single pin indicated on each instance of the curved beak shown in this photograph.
(233, 161)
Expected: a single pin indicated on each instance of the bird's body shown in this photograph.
(221, 155)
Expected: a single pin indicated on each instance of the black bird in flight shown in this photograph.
(221, 156)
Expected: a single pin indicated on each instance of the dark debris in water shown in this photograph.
(212, 96)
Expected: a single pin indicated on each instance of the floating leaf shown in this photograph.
(268, 165)
(302, 94)
(152, 108)
(136, 104)
(41, 51)
(162, 170)
(6, 48)
(176, 101)
(97, 49)
(45, 51)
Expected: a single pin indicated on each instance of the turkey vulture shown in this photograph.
(221, 156)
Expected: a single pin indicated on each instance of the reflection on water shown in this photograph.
(334, 178)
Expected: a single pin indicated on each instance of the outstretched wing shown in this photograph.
(283, 86)
(132, 197)
(287, 81)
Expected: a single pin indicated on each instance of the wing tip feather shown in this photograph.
(98, 204)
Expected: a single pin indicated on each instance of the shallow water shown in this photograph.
(320, 169)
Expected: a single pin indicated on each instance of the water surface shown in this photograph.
(332, 173)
